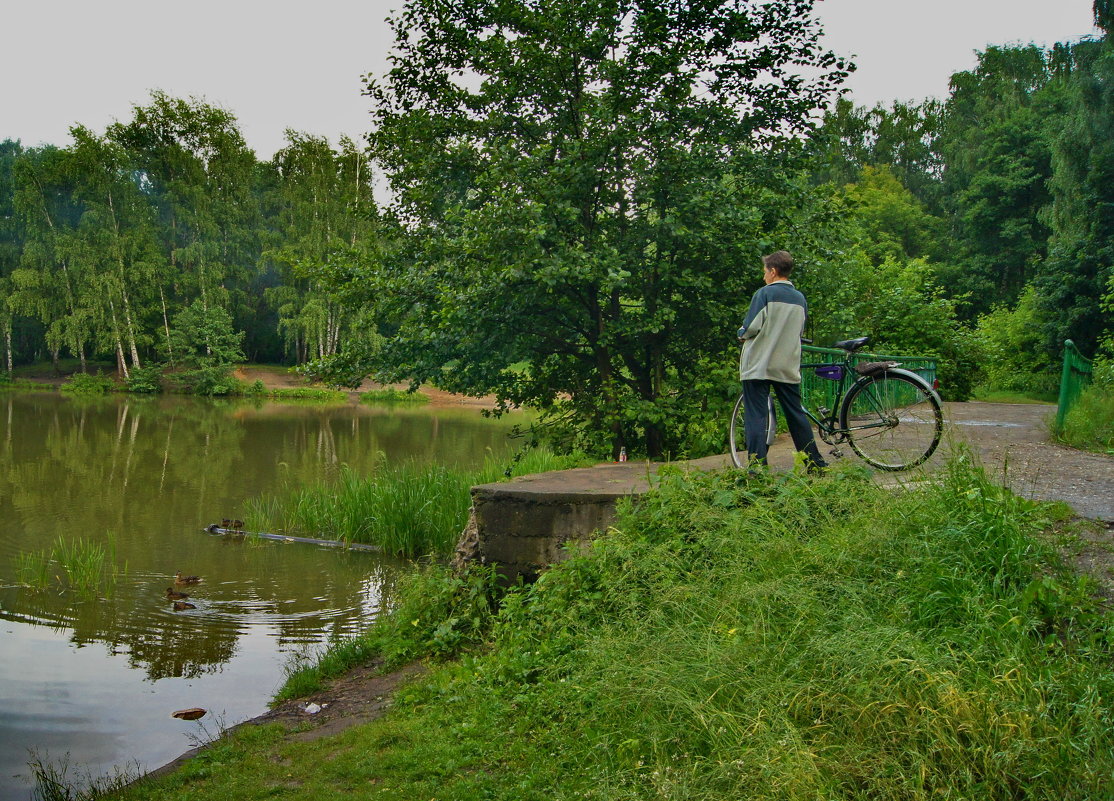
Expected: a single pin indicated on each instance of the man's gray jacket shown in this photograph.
(771, 334)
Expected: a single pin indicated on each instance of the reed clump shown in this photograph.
(78, 564)
(408, 509)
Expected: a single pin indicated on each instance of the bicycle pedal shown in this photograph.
(836, 452)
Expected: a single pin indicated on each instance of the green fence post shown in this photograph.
(1065, 381)
(1075, 374)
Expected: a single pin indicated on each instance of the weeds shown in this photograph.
(59, 781)
(308, 393)
(89, 567)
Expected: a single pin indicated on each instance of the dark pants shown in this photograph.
(756, 414)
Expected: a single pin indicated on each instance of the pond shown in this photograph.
(96, 676)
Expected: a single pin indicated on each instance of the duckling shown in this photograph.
(237, 524)
(180, 579)
(175, 596)
(225, 523)
(180, 606)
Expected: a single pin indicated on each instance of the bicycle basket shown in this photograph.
(832, 372)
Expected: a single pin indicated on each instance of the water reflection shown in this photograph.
(148, 475)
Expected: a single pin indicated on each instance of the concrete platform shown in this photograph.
(526, 524)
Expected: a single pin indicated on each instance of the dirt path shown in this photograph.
(282, 378)
(1013, 442)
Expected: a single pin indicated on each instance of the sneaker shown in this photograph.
(817, 468)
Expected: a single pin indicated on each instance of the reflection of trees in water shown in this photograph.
(338, 598)
(152, 472)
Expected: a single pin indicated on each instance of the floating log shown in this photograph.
(352, 546)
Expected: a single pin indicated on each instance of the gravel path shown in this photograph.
(1013, 442)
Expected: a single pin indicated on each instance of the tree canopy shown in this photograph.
(586, 188)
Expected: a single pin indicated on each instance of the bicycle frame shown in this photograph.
(828, 427)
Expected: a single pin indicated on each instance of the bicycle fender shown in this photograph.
(915, 377)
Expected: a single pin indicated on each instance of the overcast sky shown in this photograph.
(278, 64)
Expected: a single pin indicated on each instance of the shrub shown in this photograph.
(1089, 424)
(85, 384)
(1012, 348)
(145, 380)
(210, 381)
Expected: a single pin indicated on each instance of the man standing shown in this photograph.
(771, 359)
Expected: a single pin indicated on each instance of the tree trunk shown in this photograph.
(121, 363)
(166, 326)
(8, 344)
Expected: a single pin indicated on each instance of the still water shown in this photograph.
(98, 677)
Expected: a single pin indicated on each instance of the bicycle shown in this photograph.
(891, 418)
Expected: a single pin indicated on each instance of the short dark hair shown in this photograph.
(781, 262)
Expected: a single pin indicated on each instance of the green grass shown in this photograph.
(393, 396)
(319, 394)
(79, 565)
(408, 509)
(23, 385)
(774, 638)
(1089, 424)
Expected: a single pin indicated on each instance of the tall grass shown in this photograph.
(390, 395)
(408, 509)
(81, 565)
(60, 781)
(1089, 424)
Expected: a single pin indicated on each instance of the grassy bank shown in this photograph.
(408, 509)
(777, 639)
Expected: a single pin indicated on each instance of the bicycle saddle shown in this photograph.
(851, 345)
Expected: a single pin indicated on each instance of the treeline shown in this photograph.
(1007, 189)
(579, 230)
(164, 238)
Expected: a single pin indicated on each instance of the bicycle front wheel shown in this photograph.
(737, 440)
(893, 420)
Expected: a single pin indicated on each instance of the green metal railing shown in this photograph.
(818, 391)
(1075, 375)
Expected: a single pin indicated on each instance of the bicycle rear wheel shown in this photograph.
(893, 420)
(737, 435)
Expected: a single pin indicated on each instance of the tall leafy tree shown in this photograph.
(587, 187)
(10, 243)
(999, 162)
(199, 174)
(116, 242)
(48, 284)
(326, 219)
(902, 139)
(1080, 262)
